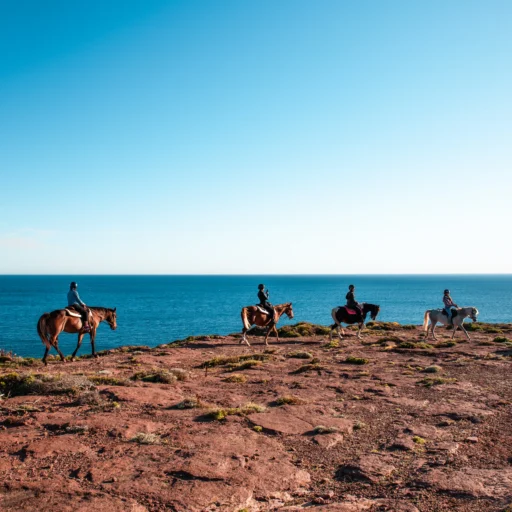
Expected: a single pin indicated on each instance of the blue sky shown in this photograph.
(255, 137)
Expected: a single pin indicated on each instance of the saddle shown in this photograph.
(454, 312)
(262, 309)
(71, 311)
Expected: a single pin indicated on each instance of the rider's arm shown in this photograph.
(77, 297)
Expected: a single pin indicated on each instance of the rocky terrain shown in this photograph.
(389, 423)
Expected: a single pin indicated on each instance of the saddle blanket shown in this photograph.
(350, 311)
(76, 314)
(263, 310)
(72, 312)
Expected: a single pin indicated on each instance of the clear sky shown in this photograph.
(258, 136)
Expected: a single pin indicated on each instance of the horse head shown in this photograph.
(111, 318)
(373, 309)
(289, 310)
(474, 314)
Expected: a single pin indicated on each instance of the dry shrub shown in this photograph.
(155, 375)
(220, 413)
(144, 438)
(236, 377)
(289, 400)
(298, 354)
(191, 403)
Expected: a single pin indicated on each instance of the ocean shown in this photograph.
(160, 309)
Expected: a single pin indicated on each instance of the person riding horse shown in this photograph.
(448, 305)
(75, 301)
(263, 296)
(351, 301)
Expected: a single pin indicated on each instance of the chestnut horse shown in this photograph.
(50, 325)
(253, 315)
(340, 315)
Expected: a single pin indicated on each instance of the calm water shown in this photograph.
(160, 309)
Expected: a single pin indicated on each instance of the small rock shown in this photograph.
(472, 439)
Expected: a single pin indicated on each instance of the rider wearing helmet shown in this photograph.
(263, 296)
(448, 305)
(75, 301)
(351, 300)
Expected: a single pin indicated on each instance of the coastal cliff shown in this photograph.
(391, 422)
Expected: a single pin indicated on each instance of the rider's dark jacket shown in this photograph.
(263, 296)
(351, 300)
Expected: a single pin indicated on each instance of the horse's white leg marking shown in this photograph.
(465, 332)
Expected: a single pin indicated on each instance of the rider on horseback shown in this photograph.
(351, 300)
(448, 305)
(74, 300)
(263, 296)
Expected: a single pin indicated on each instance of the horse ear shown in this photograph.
(114, 310)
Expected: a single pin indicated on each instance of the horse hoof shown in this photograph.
(96, 356)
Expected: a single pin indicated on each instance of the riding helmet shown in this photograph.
(351, 287)
(446, 291)
(261, 286)
(73, 285)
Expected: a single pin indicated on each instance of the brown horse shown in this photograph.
(50, 325)
(253, 315)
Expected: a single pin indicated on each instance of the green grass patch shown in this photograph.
(104, 380)
(221, 413)
(312, 367)
(19, 384)
(419, 345)
(155, 375)
(236, 378)
(289, 400)
(435, 381)
(356, 360)
(432, 369)
(231, 360)
(245, 365)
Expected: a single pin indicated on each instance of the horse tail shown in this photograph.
(42, 329)
(425, 320)
(245, 319)
(333, 314)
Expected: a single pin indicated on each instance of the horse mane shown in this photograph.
(100, 308)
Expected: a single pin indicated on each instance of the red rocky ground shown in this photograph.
(391, 434)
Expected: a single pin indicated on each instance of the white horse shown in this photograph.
(436, 315)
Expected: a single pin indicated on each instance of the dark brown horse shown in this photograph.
(50, 325)
(253, 315)
(341, 315)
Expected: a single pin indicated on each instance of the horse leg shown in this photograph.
(269, 330)
(244, 338)
(55, 344)
(433, 325)
(465, 332)
(359, 331)
(78, 345)
(92, 334)
(47, 349)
